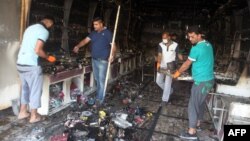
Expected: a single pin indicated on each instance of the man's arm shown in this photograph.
(81, 43)
(39, 49)
(40, 52)
(185, 66)
(180, 56)
(159, 57)
(113, 53)
(113, 50)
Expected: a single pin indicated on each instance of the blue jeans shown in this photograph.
(100, 70)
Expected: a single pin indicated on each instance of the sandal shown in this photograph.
(39, 119)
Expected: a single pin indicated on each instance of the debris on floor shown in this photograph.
(130, 112)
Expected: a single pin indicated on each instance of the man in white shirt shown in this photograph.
(167, 53)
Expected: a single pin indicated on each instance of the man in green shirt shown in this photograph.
(202, 59)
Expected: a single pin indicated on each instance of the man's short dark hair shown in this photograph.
(49, 17)
(195, 28)
(99, 19)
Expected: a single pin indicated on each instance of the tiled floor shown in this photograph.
(173, 117)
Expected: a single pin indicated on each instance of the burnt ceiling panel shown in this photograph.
(186, 9)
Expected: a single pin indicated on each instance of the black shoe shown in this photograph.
(186, 135)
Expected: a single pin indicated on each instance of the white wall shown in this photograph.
(9, 45)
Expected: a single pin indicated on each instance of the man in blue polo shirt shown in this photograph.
(100, 39)
(29, 70)
(202, 59)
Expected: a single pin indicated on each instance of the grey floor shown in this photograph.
(165, 125)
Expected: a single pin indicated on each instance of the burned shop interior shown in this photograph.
(132, 109)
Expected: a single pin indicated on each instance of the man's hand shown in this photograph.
(176, 74)
(51, 59)
(111, 59)
(76, 49)
(158, 66)
(81, 44)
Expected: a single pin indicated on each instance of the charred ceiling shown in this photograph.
(187, 10)
(141, 21)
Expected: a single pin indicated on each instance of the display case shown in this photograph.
(66, 78)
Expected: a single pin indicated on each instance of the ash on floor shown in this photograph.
(132, 112)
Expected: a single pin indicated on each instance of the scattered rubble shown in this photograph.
(130, 112)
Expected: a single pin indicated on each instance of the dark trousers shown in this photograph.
(196, 105)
